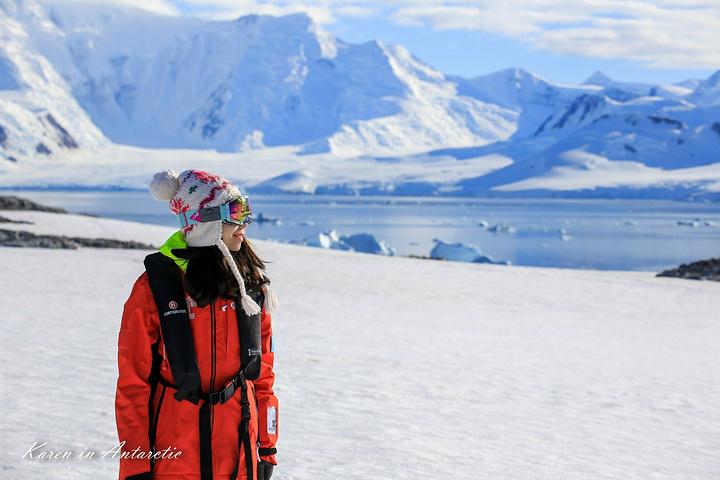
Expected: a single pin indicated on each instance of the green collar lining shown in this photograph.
(176, 240)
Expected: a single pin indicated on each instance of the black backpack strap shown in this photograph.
(154, 380)
(166, 284)
(250, 337)
(250, 357)
(244, 444)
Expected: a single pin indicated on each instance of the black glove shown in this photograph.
(265, 470)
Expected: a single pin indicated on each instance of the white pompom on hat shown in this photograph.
(195, 189)
(164, 185)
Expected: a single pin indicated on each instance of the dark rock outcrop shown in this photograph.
(43, 149)
(66, 140)
(702, 270)
(10, 220)
(9, 202)
(716, 128)
(112, 243)
(13, 238)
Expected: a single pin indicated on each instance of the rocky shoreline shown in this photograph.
(701, 270)
(15, 238)
(9, 202)
(10, 220)
(25, 239)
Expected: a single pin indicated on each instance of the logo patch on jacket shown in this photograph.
(272, 421)
(174, 310)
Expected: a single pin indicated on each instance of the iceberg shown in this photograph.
(502, 228)
(365, 242)
(359, 242)
(460, 252)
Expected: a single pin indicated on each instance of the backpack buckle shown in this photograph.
(222, 396)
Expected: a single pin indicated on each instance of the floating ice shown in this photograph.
(460, 252)
(688, 223)
(502, 228)
(359, 242)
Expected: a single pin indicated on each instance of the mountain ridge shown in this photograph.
(261, 82)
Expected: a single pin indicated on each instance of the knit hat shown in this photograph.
(195, 189)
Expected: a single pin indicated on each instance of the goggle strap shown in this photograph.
(183, 219)
(207, 214)
(225, 211)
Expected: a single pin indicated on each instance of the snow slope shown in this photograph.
(428, 369)
(622, 91)
(38, 113)
(707, 92)
(532, 97)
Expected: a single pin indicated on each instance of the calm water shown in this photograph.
(600, 234)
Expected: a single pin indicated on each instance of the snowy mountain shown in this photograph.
(707, 92)
(306, 112)
(646, 147)
(161, 81)
(623, 91)
(531, 97)
(38, 113)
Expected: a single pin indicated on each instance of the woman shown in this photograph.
(194, 395)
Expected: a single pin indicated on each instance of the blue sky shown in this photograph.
(471, 53)
(563, 41)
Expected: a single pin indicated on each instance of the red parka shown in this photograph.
(217, 348)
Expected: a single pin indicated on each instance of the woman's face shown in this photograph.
(233, 235)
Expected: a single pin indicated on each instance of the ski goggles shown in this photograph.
(236, 211)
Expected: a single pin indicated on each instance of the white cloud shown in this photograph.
(322, 12)
(667, 34)
(656, 33)
(319, 14)
(163, 7)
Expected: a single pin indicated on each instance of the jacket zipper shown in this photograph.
(212, 357)
(153, 432)
(157, 410)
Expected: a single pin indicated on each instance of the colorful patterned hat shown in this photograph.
(192, 190)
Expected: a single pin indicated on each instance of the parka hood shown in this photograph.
(176, 240)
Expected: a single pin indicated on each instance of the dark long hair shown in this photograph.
(208, 277)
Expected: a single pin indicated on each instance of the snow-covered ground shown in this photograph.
(393, 368)
(71, 225)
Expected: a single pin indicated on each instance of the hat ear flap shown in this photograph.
(164, 185)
